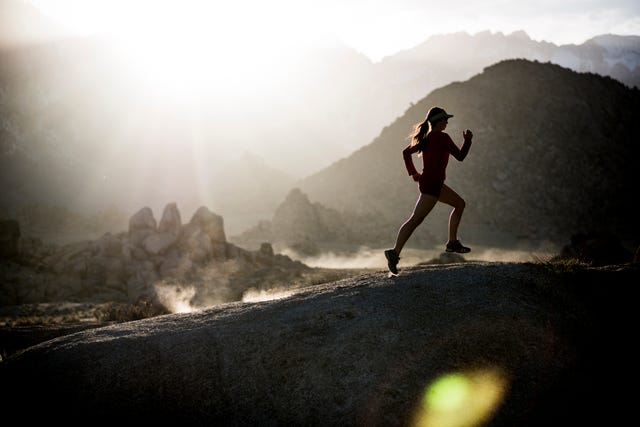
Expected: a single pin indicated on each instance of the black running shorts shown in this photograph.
(430, 186)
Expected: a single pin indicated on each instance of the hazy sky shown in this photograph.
(374, 27)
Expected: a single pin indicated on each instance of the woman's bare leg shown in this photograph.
(452, 198)
(423, 206)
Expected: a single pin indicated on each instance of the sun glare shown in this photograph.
(194, 47)
(185, 67)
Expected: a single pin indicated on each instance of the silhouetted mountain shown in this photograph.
(79, 129)
(554, 154)
(411, 74)
(248, 189)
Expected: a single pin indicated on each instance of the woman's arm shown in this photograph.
(408, 161)
(461, 153)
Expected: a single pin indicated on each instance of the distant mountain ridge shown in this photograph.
(372, 95)
(554, 154)
(67, 136)
(442, 59)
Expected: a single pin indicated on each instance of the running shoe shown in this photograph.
(392, 260)
(456, 246)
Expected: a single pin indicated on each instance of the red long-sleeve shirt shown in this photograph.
(435, 155)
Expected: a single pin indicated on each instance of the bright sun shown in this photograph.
(186, 46)
(192, 68)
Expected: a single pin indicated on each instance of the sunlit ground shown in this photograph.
(253, 295)
(177, 298)
(374, 258)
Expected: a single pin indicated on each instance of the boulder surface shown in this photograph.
(523, 343)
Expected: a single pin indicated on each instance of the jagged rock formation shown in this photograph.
(309, 228)
(143, 264)
(538, 343)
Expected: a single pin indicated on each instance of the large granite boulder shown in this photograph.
(492, 344)
(141, 225)
(171, 221)
(211, 226)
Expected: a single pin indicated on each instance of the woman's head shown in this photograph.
(437, 114)
(434, 116)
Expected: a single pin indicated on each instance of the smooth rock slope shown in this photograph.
(527, 344)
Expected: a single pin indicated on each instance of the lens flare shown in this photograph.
(448, 393)
(461, 399)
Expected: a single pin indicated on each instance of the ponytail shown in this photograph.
(419, 134)
(421, 130)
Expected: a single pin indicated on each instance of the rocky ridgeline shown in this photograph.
(159, 262)
(308, 227)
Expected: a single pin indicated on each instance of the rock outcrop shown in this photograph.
(309, 227)
(504, 343)
(131, 266)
